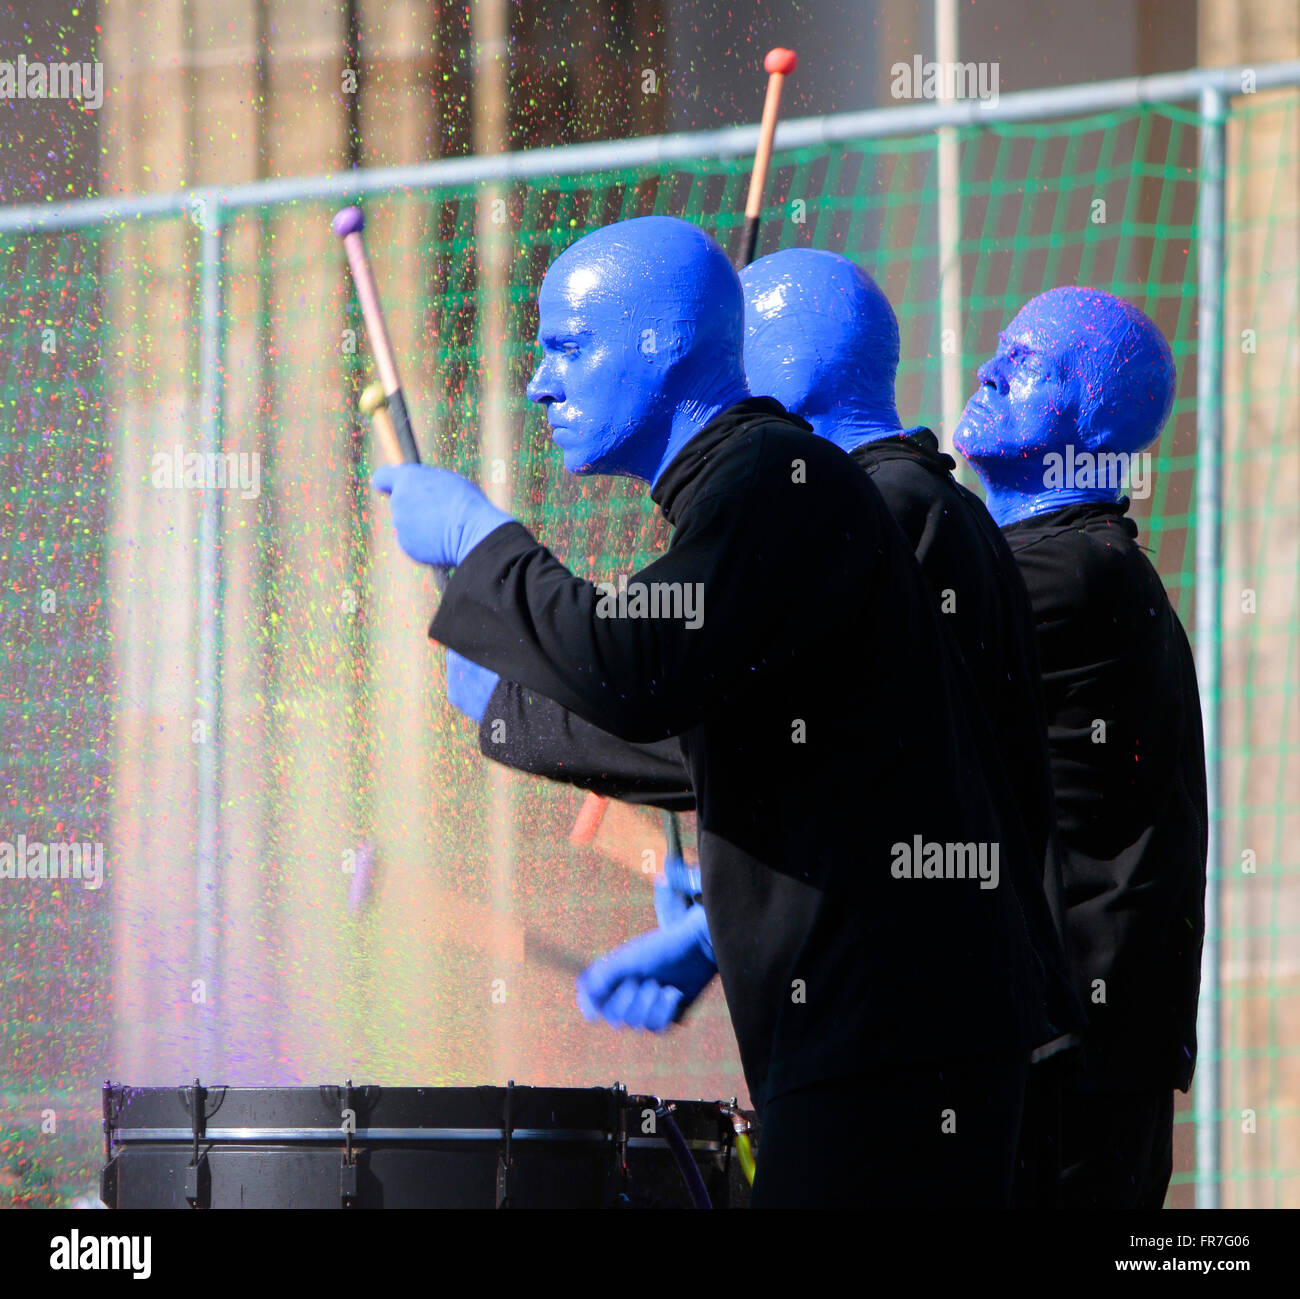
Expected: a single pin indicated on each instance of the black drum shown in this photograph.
(332, 1147)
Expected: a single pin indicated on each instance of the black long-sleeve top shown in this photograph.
(522, 729)
(973, 577)
(1128, 766)
(823, 717)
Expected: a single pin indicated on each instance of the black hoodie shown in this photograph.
(971, 572)
(973, 576)
(1128, 765)
(823, 716)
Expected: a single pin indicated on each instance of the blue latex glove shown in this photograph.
(647, 983)
(469, 686)
(439, 517)
(675, 892)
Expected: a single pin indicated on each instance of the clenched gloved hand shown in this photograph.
(469, 686)
(649, 982)
(439, 517)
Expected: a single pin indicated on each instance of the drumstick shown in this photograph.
(386, 409)
(590, 815)
(619, 831)
(374, 405)
(479, 927)
(348, 225)
(625, 832)
(778, 65)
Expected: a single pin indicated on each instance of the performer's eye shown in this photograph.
(1027, 362)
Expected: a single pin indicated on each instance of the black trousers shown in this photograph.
(1037, 1183)
(916, 1137)
(1117, 1148)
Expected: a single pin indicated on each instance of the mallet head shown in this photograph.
(777, 60)
(352, 219)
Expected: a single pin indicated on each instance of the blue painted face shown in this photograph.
(822, 339)
(640, 329)
(1080, 384)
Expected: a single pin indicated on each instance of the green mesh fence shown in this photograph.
(336, 736)
(55, 711)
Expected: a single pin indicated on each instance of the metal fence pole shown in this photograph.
(207, 880)
(1209, 621)
(492, 241)
(952, 371)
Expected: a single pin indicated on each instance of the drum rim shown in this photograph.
(362, 1136)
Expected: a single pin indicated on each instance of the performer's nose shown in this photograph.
(993, 374)
(542, 387)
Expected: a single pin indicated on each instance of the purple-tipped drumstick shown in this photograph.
(348, 225)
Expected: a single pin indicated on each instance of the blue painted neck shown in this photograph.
(1010, 503)
(689, 418)
(851, 427)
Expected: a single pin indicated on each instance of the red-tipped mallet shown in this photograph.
(778, 65)
(348, 225)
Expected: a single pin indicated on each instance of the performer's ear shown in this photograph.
(660, 342)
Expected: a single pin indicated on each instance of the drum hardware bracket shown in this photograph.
(505, 1155)
(621, 1101)
(348, 1170)
(198, 1175)
(741, 1123)
(112, 1110)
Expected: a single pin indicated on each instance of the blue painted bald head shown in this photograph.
(1081, 382)
(822, 339)
(640, 325)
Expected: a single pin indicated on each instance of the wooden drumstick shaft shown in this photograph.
(374, 403)
(779, 63)
(348, 225)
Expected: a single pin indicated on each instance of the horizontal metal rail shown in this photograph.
(362, 1136)
(184, 1136)
(655, 150)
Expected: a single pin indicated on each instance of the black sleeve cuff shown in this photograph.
(488, 557)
